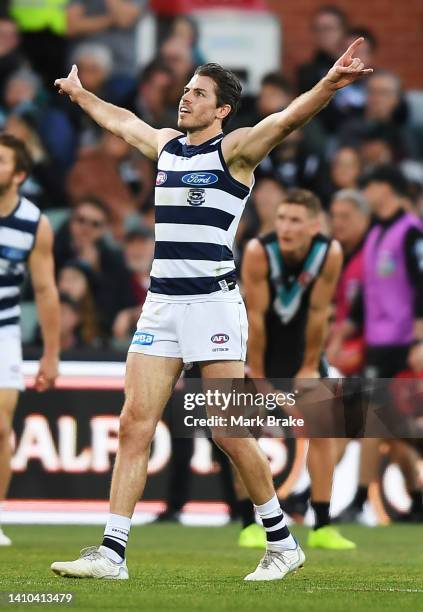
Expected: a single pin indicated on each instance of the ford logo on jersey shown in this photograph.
(219, 338)
(199, 178)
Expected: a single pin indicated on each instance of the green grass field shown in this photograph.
(196, 568)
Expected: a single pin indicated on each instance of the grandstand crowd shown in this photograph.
(98, 191)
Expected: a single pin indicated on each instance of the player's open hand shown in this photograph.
(348, 68)
(48, 371)
(69, 85)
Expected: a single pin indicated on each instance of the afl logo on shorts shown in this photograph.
(219, 338)
(161, 178)
(196, 197)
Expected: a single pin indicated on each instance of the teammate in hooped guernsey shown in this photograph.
(203, 180)
(25, 243)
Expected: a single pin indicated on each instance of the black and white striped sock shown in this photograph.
(115, 537)
(277, 533)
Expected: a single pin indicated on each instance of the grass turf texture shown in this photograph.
(196, 568)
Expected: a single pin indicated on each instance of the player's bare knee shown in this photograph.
(135, 428)
(230, 446)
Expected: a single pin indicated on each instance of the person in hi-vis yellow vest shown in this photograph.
(43, 25)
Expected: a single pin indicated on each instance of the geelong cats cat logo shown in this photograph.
(196, 196)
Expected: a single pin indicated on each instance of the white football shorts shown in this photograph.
(196, 331)
(11, 376)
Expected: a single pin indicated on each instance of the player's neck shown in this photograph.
(8, 202)
(297, 255)
(197, 137)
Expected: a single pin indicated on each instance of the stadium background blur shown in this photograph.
(98, 192)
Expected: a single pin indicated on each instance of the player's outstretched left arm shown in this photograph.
(318, 313)
(41, 266)
(249, 146)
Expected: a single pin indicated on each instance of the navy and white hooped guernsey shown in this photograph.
(198, 208)
(17, 238)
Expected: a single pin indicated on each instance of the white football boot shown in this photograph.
(92, 563)
(4, 540)
(276, 565)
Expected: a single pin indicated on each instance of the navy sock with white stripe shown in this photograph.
(115, 537)
(277, 533)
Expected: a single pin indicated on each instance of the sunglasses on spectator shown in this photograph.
(94, 223)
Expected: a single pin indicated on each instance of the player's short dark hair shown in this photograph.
(23, 160)
(388, 174)
(228, 86)
(305, 198)
(332, 9)
(278, 80)
(93, 201)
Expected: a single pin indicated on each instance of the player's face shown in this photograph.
(295, 227)
(198, 105)
(9, 178)
(347, 221)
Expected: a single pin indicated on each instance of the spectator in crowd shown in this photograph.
(377, 146)
(43, 186)
(176, 55)
(42, 25)
(151, 96)
(260, 214)
(185, 28)
(294, 162)
(383, 103)
(70, 321)
(113, 172)
(84, 237)
(329, 29)
(352, 100)
(390, 310)
(350, 217)
(138, 252)
(95, 70)
(23, 95)
(77, 280)
(95, 66)
(391, 304)
(345, 170)
(11, 58)
(275, 94)
(111, 23)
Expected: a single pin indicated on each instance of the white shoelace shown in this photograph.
(91, 552)
(271, 556)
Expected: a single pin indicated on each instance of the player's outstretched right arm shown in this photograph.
(117, 120)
